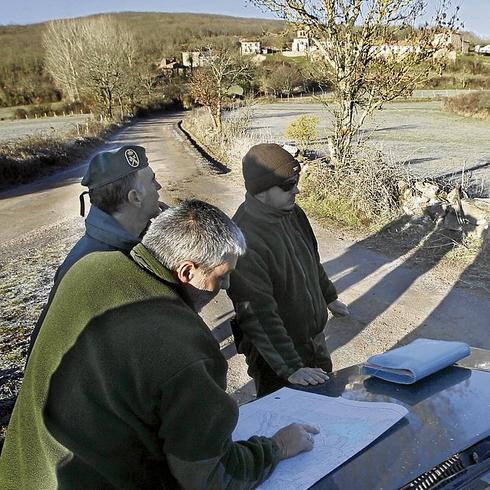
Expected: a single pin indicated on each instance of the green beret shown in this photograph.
(108, 166)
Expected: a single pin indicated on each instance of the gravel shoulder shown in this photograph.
(394, 294)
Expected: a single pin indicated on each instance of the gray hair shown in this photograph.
(196, 231)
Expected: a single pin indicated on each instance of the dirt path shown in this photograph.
(390, 302)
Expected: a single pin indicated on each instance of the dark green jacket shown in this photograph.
(125, 388)
(280, 290)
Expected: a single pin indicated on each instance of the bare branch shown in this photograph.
(371, 52)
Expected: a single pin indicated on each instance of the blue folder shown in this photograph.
(416, 360)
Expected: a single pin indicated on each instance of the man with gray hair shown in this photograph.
(125, 386)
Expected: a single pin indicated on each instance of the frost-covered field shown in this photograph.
(433, 141)
(46, 126)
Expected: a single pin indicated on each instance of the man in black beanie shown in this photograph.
(279, 289)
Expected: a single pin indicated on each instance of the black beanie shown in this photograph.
(267, 165)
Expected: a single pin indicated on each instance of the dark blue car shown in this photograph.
(443, 442)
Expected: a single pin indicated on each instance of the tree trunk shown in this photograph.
(213, 117)
(219, 125)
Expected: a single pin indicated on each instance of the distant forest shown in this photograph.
(23, 79)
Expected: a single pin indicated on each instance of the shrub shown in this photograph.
(40, 110)
(29, 158)
(75, 107)
(472, 65)
(20, 113)
(476, 104)
(303, 130)
(235, 139)
(362, 193)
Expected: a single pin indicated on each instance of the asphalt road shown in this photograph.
(390, 302)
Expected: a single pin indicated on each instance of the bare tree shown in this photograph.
(209, 84)
(281, 78)
(64, 47)
(93, 59)
(107, 68)
(370, 51)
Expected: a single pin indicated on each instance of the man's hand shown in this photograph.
(294, 439)
(308, 376)
(338, 308)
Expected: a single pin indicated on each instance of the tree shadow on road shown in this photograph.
(463, 314)
(414, 248)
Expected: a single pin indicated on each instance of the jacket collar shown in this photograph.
(264, 212)
(104, 228)
(142, 256)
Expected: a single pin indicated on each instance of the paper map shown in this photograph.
(346, 427)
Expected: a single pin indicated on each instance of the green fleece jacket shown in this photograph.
(125, 388)
(280, 290)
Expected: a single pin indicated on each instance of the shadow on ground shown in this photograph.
(452, 319)
(423, 247)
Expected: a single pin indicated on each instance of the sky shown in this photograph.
(474, 13)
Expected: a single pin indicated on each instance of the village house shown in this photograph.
(453, 41)
(485, 50)
(194, 59)
(171, 66)
(250, 46)
(301, 43)
(397, 50)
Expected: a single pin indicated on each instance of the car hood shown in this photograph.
(447, 413)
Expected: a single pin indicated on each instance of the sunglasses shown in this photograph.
(288, 184)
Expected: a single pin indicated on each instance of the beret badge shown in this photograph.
(132, 157)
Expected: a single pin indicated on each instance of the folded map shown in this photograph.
(416, 360)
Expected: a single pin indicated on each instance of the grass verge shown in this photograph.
(476, 104)
(23, 161)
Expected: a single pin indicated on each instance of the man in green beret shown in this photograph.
(125, 386)
(279, 289)
(123, 192)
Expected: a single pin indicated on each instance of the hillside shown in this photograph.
(22, 80)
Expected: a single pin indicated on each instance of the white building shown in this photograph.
(301, 43)
(394, 50)
(193, 59)
(482, 49)
(248, 46)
